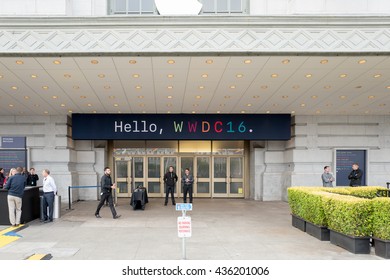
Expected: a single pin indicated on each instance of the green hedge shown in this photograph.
(381, 218)
(349, 215)
(364, 192)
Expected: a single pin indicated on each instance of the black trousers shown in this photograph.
(48, 201)
(103, 198)
(170, 190)
(187, 189)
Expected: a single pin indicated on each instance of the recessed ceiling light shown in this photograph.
(94, 111)
(54, 97)
(303, 105)
(296, 87)
(268, 112)
(388, 87)
(195, 105)
(143, 112)
(45, 87)
(36, 105)
(19, 62)
(201, 87)
(136, 75)
(168, 112)
(170, 76)
(293, 112)
(89, 105)
(371, 97)
(205, 75)
(324, 61)
(140, 96)
(264, 87)
(358, 86)
(1, 76)
(142, 105)
(14, 87)
(256, 96)
(70, 111)
(111, 97)
(94, 61)
(318, 112)
(169, 96)
(116, 105)
(169, 87)
(343, 75)
(46, 112)
(309, 75)
(249, 105)
(286, 61)
(67, 76)
(138, 87)
(132, 61)
(382, 105)
(209, 61)
(342, 97)
(119, 112)
(227, 96)
(76, 87)
(362, 61)
(218, 112)
(11, 105)
(239, 75)
(62, 105)
(367, 112)
(107, 87)
(314, 96)
(327, 87)
(171, 61)
(232, 86)
(274, 75)
(247, 61)
(27, 97)
(222, 105)
(284, 96)
(194, 112)
(101, 76)
(57, 62)
(377, 75)
(34, 76)
(198, 97)
(242, 112)
(83, 97)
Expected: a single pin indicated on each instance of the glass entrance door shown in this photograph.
(202, 177)
(228, 176)
(123, 176)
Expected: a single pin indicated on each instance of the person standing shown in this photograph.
(106, 193)
(327, 177)
(355, 176)
(15, 186)
(2, 177)
(49, 191)
(32, 178)
(188, 181)
(170, 179)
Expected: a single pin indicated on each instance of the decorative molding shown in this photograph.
(147, 35)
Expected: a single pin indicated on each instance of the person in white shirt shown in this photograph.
(49, 191)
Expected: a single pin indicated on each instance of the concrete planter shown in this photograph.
(319, 232)
(353, 244)
(382, 248)
(298, 222)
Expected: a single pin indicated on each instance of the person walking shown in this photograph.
(355, 176)
(327, 177)
(49, 192)
(15, 186)
(106, 193)
(32, 178)
(170, 179)
(187, 182)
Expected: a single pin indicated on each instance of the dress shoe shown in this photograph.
(14, 225)
(173, 203)
(48, 221)
(17, 225)
(165, 204)
(117, 216)
(97, 216)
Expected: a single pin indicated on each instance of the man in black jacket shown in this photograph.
(170, 179)
(32, 178)
(106, 193)
(355, 176)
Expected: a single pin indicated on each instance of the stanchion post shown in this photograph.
(69, 199)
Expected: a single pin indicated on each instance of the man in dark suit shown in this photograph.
(106, 193)
(170, 179)
(187, 181)
(355, 176)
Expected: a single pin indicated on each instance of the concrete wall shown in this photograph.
(300, 161)
(50, 146)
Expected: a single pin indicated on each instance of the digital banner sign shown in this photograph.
(181, 127)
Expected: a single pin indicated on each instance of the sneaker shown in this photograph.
(117, 216)
(97, 216)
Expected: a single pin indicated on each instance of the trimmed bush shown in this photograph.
(364, 192)
(381, 218)
(349, 215)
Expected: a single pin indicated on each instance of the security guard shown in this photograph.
(107, 186)
(187, 181)
(170, 179)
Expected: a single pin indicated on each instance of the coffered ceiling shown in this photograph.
(302, 85)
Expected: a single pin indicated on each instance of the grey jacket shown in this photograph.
(327, 179)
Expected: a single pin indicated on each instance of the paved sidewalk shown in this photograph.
(222, 229)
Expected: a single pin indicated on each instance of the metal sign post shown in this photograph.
(184, 226)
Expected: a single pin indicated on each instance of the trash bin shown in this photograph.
(57, 207)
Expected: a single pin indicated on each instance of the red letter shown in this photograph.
(215, 127)
(192, 126)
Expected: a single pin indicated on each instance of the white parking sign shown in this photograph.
(184, 227)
